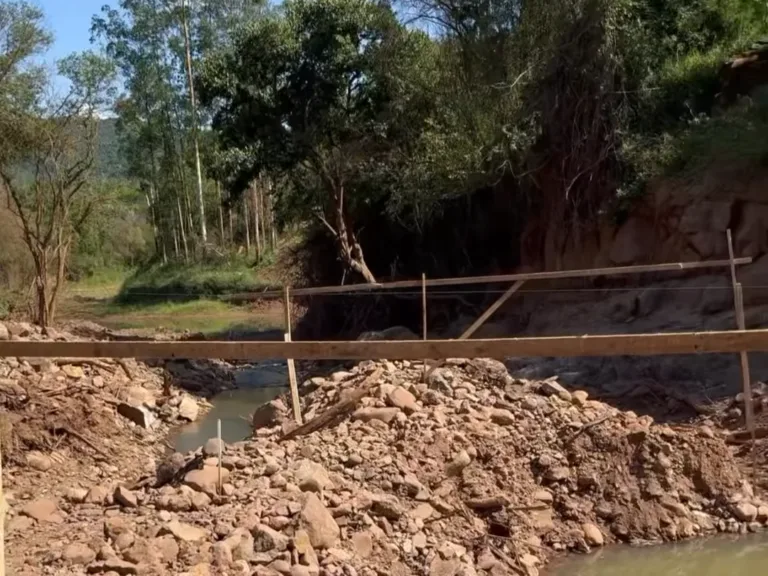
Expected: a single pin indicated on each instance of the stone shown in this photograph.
(631, 244)
(544, 496)
(312, 477)
(319, 523)
(266, 539)
(39, 461)
(385, 415)
(98, 495)
(269, 414)
(20, 524)
(441, 567)
(762, 514)
(139, 415)
(502, 417)
(166, 548)
(299, 570)
(580, 397)
(592, 535)
(744, 511)
(388, 506)
(74, 372)
(125, 497)
(542, 521)
(124, 541)
(419, 541)
(554, 388)
(4, 333)
(241, 543)
(115, 566)
(189, 409)
(422, 511)
(184, 532)
(280, 566)
(212, 446)
(206, 479)
(457, 465)
(114, 526)
(363, 544)
(78, 553)
(401, 398)
(42, 510)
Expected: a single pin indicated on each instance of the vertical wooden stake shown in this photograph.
(424, 318)
(746, 380)
(291, 364)
(2, 518)
(218, 435)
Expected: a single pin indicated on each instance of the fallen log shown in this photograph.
(337, 411)
(743, 436)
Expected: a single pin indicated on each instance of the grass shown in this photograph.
(177, 282)
(173, 298)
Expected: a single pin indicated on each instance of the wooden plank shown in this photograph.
(292, 381)
(3, 510)
(551, 346)
(488, 313)
(502, 278)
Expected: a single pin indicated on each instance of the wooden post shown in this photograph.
(424, 318)
(482, 320)
(2, 518)
(218, 435)
(291, 364)
(746, 380)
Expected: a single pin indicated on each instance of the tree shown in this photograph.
(47, 175)
(330, 92)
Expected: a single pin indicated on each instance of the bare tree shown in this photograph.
(48, 182)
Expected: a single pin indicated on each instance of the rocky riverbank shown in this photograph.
(471, 472)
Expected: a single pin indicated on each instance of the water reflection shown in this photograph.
(256, 386)
(720, 556)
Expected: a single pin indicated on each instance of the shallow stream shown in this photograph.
(256, 385)
(719, 556)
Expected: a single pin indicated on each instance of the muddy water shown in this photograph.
(721, 556)
(256, 384)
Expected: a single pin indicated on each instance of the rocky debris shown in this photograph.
(39, 461)
(188, 409)
(4, 333)
(78, 553)
(473, 473)
(317, 521)
(43, 510)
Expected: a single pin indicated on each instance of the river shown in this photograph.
(717, 556)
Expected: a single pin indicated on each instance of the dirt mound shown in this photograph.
(472, 472)
(95, 409)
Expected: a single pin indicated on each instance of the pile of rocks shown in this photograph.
(96, 407)
(471, 472)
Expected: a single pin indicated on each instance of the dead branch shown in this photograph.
(337, 411)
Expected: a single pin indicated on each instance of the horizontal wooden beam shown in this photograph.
(555, 346)
(470, 280)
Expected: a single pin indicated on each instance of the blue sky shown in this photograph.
(70, 21)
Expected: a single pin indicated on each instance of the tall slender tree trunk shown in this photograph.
(272, 227)
(221, 215)
(256, 210)
(264, 218)
(247, 227)
(181, 230)
(175, 242)
(231, 226)
(193, 110)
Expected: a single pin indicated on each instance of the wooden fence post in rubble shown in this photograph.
(291, 364)
(746, 380)
(424, 318)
